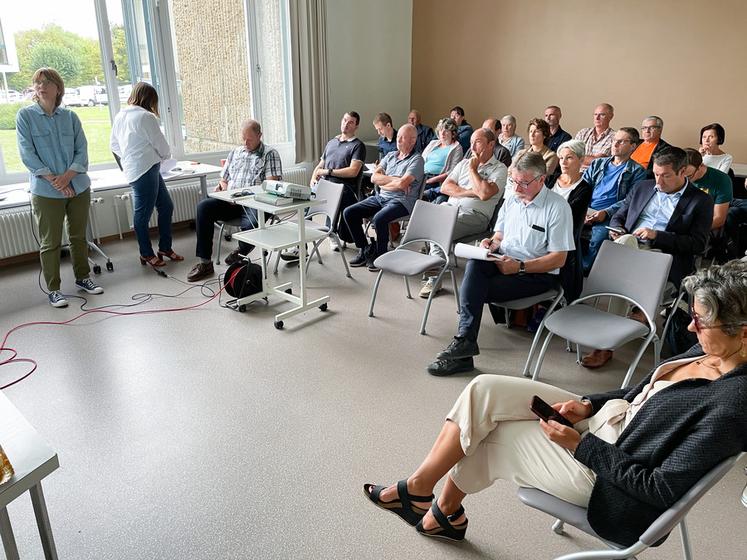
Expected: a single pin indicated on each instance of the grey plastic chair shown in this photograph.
(576, 516)
(635, 276)
(432, 223)
(235, 223)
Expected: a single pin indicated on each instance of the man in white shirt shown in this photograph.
(246, 166)
(475, 186)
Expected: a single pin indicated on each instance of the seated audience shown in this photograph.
(245, 166)
(572, 187)
(711, 137)
(667, 213)
(712, 181)
(508, 137)
(539, 131)
(631, 453)
(652, 144)
(533, 234)
(611, 178)
(387, 134)
(500, 152)
(598, 138)
(557, 134)
(735, 220)
(440, 157)
(463, 127)
(399, 177)
(475, 186)
(425, 132)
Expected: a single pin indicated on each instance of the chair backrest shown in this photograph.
(434, 222)
(668, 520)
(331, 193)
(638, 274)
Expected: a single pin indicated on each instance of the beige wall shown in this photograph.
(683, 61)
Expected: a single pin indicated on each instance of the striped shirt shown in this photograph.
(244, 168)
(601, 144)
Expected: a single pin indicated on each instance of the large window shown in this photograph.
(213, 63)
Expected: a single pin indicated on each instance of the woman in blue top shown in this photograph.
(54, 149)
(441, 156)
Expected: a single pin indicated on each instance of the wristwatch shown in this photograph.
(522, 267)
(329, 172)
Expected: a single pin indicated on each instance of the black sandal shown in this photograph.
(445, 530)
(402, 506)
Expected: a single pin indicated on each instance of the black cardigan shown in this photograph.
(680, 434)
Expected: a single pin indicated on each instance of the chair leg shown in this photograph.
(541, 356)
(407, 287)
(342, 254)
(578, 353)
(373, 293)
(634, 363)
(456, 289)
(557, 527)
(430, 300)
(687, 552)
(218, 244)
(532, 348)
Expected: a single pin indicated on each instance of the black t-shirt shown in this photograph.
(339, 154)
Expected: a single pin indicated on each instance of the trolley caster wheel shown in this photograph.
(288, 291)
(97, 269)
(323, 307)
(110, 266)
(278, 325)
(242, 308)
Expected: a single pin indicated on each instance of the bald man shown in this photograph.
(499, 151)
(399, 177)
(247, 165)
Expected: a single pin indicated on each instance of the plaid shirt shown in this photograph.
(596, 144)
(244, 168)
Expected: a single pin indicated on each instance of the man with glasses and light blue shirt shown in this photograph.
(533, 235)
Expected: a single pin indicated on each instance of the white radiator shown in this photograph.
(297, 175)
(16, 234)
(184, 197)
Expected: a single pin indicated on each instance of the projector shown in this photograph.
(287, 190)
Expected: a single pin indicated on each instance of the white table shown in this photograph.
(276, 237)
(32, 460)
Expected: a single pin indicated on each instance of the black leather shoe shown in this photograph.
(360, 259)
(460, 347)
(442, 368)
(233, 257)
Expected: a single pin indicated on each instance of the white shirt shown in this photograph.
(138, 141)
(722, 162)
(493, 171)
(565, 192)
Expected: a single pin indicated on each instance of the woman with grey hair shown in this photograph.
(441, 156)
(629, 455)
(508, 137)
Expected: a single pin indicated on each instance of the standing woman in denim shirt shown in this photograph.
(54, 149)
(138, 141)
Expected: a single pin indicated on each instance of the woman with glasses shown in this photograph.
(139, 143)
(711, 137)
(631, 453)
(54, 149)
(441, 156)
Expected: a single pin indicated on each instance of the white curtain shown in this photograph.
(309, 61)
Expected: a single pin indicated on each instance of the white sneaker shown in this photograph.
(56, 299)
(289, 255)
(428, 287)
(334, 244)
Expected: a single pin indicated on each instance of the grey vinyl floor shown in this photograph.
(207, 433)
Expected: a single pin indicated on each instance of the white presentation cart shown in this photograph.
(276, 237)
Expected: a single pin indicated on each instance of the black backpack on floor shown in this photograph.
(243, 279)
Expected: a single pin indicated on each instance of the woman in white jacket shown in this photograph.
(139, 143)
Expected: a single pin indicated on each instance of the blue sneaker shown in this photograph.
(56, 299)
(88, 285)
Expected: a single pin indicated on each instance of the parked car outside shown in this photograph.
(72, 98)
(93, 95)
(10, 96)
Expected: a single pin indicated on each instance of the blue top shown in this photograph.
(394, 167)
(604, 194)
(386, 146)
(657, 213)
(436, 160)
(51, 145)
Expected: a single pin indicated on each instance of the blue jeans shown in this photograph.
(599, 233)
(149, 191)
(381, 212)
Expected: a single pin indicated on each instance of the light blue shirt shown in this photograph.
(50, 145)
(395, 167)
(657, 213)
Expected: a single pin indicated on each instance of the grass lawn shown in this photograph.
(96, 125)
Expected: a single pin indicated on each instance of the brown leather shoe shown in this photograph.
(596, 359)
(200, 270)
(638, 315)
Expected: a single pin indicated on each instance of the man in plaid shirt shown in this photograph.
(246, 166)
(598, 138)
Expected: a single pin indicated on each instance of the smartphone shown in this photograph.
(617, 230)
(546, 412)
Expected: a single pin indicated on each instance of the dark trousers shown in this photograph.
(381, 212)
(483, 283)
(348, 199)
(212, 210)
(148, 192)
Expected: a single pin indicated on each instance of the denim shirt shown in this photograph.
(50, 145)
(632, 174)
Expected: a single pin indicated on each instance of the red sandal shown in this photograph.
(170, 254)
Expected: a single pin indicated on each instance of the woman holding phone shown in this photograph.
(54, 149)
(139, 143)
(631, 453)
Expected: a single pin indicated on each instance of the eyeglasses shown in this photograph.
(699, 326)
(523, 184)
(652, 127)
(617, 141)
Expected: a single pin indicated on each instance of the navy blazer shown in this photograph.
(679, 434)
(686, 233)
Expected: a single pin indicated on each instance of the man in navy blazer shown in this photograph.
(668, 213)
